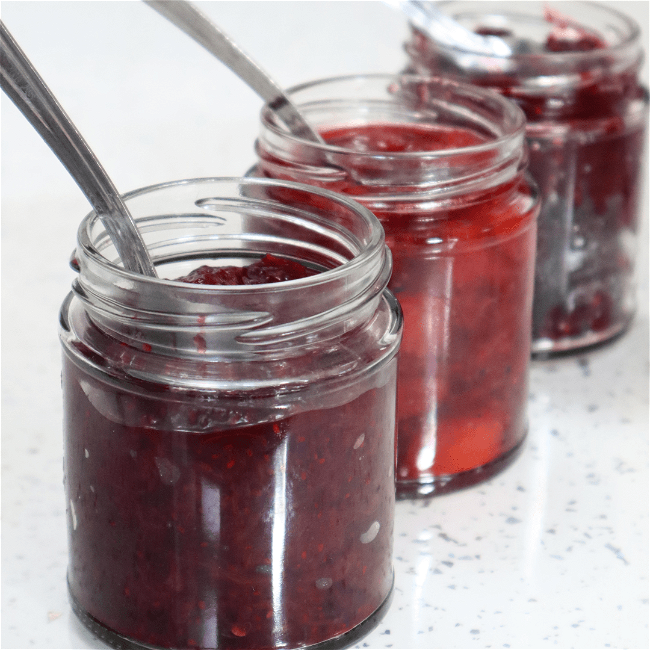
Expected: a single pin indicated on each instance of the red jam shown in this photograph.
(394, 138)
(268, 269)
(569, 36)
(462, 272)
(586, 136)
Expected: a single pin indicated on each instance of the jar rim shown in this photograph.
(193, 222)
(570, 58)
(372, 245)
(513, 116)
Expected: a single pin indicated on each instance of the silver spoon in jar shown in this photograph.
(195, 24)
(25, 87)
(443, 29)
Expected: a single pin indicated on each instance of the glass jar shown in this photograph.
(229, 450)
(442, 166)
(574, 72)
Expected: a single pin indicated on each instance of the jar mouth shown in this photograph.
(207, 210)
(191, 222)
(530, 24)
(242, 336)
(406, 98)
(484, 136)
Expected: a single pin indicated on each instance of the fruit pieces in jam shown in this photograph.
(268, 269)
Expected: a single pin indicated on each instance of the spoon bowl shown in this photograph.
(443, 29)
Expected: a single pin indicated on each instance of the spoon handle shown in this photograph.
(195, 24)
(25, 87)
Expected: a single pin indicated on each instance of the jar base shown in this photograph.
(545, 348)
(120, 642)
(436, 485)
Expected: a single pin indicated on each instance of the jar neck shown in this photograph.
(483, 134)
(226, 221)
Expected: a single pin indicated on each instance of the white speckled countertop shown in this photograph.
(553, 552)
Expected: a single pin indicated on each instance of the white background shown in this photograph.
(551, 553)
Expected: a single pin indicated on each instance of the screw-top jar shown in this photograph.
(574, 72)
(229, 450)
(441, 165)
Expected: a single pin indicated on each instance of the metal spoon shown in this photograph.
(443, 29)
(198, 26)
(25, 87)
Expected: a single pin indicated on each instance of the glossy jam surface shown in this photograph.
(586, 142)
(267, 270)
(462, 271)
(391, 138)
(188, 533)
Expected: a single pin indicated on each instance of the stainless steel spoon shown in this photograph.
(195, 24)
(443, 29)
(25, 87)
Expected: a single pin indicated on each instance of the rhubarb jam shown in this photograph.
(442, 167)
(574, 72)
(230, 425)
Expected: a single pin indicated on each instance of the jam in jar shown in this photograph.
(573, 69)
(442, 165)
(230, 425)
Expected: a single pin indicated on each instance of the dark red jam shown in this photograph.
(266, 270)
(493, 31)
(198, 520)
(586, 143)
(462, 272)
(243, 536)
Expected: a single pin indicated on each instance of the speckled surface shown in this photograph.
(553, 552)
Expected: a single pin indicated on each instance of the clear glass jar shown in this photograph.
(575, 74)
(230, 450)
(442, 166)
